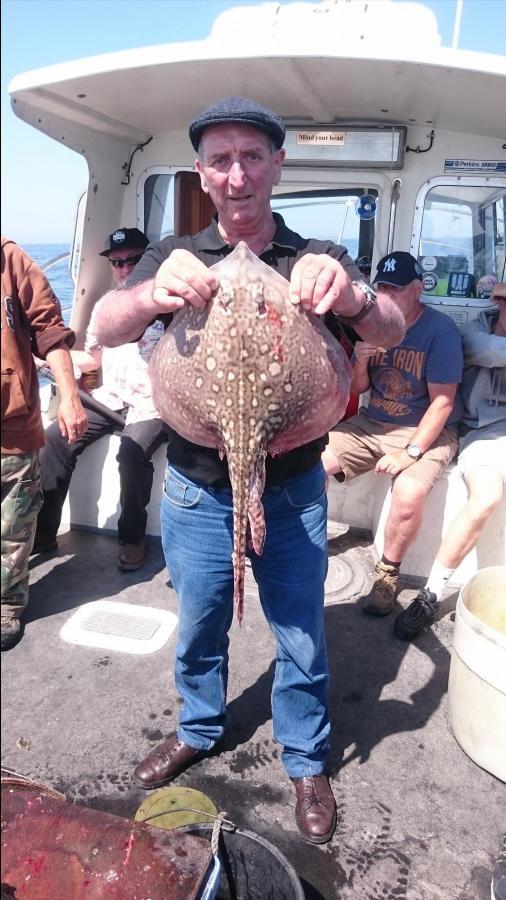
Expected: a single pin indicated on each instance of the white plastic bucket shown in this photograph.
(477, 682)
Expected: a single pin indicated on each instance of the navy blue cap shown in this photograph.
(125, 239)
(398, 268)
(241, 111)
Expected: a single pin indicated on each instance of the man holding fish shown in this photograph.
(240, 154)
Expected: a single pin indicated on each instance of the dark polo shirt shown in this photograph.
(286, 247)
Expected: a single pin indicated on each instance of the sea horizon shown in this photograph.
(58, 274)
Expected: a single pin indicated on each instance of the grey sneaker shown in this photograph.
(498, 886)
(420, 612)
(380, 599)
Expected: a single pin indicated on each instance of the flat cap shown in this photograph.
(242, 111)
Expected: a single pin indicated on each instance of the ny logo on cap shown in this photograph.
(118, 237)
(389, 265)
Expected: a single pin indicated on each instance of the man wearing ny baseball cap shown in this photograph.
(408, 430)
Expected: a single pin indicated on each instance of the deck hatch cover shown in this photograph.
(121, 625)
(111, 625)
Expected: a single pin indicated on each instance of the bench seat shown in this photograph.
(362, 504)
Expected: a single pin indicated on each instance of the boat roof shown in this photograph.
(385, 64)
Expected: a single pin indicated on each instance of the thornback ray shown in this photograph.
(250, 374)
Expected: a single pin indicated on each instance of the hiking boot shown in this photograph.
(380, 599)
(131, 557)
(420, 612)
(10, 632)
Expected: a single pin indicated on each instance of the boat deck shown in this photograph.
(417, 818)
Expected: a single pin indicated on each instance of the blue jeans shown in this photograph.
(196, 525)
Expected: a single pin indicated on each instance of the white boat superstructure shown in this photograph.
(393, 141)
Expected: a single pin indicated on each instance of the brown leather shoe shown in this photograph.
(315, 811)
(132, 557)
(165, 762)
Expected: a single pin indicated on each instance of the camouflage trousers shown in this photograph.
(21, 501)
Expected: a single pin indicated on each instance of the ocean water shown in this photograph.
(58, 274)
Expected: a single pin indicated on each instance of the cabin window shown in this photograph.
(337, 215)
(159, 206)
(461, 246)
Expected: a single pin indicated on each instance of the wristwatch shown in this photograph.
(413, 451)
(370, 300)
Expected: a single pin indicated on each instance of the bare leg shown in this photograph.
(485, 487)
(405, 515)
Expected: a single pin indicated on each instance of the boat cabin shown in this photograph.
(393, 142)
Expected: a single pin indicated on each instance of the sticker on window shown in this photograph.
(430, 282)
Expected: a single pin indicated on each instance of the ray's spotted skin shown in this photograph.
(250, 374)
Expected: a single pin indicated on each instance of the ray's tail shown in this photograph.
(247, 476)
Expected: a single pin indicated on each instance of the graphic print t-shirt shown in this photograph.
(125, 376)
(430, 352)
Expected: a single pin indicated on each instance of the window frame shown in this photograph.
(450, 181)
(366, 227)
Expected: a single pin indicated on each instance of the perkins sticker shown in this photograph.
(473, 166)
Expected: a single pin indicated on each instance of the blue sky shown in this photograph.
(41, 181)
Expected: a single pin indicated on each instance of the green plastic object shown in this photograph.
(173, 807)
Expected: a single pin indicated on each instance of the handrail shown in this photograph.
(54, 260)
(51, 262)
(87, 400)
(394, 199)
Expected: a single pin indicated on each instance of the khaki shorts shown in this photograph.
(359, 442)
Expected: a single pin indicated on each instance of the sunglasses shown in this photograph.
(129, 261)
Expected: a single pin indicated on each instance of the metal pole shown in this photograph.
(456, 25)
(340, 235)
(394, 199)
(54, 260)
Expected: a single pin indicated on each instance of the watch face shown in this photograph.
(366, 288)
(414, 451)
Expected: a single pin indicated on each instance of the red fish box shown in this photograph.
(53, 848)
